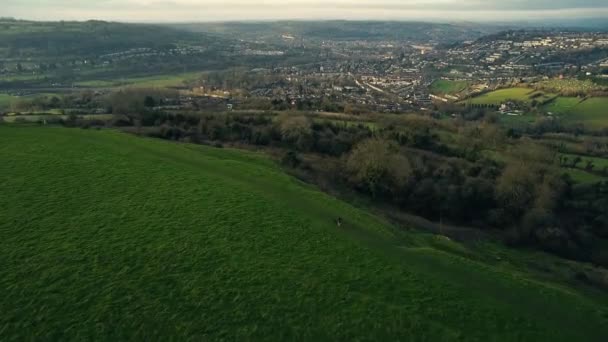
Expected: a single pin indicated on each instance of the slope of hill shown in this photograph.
(21, 39)
(110, 236)
(51, 55)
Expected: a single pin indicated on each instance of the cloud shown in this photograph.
(202, 10)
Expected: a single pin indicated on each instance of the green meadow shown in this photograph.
(6, 100)
(562, 105)
(591, 112)
(108, 236)
(157, 81)
(500, 96)
(448, 87)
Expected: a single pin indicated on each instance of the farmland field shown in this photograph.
(562, 105)
(106, 236)
(6, 100)
(517, 121)
(448, 87)
(592, 112)
(583, 177)
(158, 81)
(52, 116)
(500, 96)
(598, 162)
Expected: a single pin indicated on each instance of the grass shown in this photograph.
(106, 236)
(562, 105)
(500, 96)
(33, 118)
(583, 177)
(591, 112)
(6, 100)
(448, 87)
(158, 81)
(517, 121)
(598, 162)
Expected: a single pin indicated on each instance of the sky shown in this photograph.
(226, 10)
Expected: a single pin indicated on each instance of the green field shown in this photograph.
(448, 87)
(583, 177)
(500, 96)
(598, 162)
(34, 118)
(562, 105)
(107, 236)
(6, 100)
(517, 121)
(592, 112)
(158, 81)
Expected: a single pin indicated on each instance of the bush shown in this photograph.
(377, 167)
(291, 159)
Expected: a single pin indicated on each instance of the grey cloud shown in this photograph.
(139, 10)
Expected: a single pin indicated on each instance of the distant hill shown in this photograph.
(347, 30)
(29, 39)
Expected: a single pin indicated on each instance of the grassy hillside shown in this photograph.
(448, 87)
(107, 236)
(6, 100)
(562, 105)
(500, 96)
(592, 112)
(156, 81)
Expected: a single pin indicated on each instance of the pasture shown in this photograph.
(583, 177)
(599, 163)
(156, 81)
(448, 87)
(501, 96)
(107, 236)
(6, 100)
(591, 112)
(562, 105)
